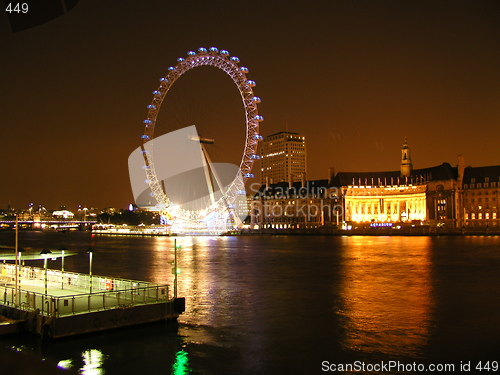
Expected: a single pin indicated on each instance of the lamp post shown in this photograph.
(17, 256)
(62, 248)
(18, 269)
(175, 270)
(45, 253)
(21, 261)
(90, 251)
(20, 251)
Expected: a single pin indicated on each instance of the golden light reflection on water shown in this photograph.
(206, 265)
(196, 279)
(163, 252)
(93, 360)
(386, 293)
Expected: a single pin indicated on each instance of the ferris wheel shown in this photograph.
(221, 211)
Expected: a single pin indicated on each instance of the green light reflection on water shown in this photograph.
(181, 364)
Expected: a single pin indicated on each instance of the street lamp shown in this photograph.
(62, 248)
(90, 251)
(45, 253)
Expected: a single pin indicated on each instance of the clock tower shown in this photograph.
(406, 165)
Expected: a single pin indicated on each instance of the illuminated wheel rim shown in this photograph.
(228, 64)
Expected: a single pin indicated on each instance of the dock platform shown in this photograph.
(54, 304)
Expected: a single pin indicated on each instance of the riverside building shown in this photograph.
(439, 196)
(283, 158)
(481, 191)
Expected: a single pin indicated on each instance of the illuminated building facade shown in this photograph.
(425, 196)
(382, 204)
(283, 158)
(481, 191)
(440, 196)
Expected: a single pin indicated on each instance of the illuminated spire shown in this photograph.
(406, 165)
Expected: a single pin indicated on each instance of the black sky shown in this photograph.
(355, 77)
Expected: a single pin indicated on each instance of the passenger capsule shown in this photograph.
(191, 53)
(235, 59)
(258, 137)
(224, 52)
(255, 157)
(241, 192)
(244, 69)
(251, 83)
(249, 175)
(202, 50)
(256, 99)
(151, 106)
(156, 92)
(258, 118)
(147, 121)
(171, 68)
(214, 49)
(144, 136)
(180, 59)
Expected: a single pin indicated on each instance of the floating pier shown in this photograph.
(54, 303)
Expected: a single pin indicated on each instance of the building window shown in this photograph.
(473, 216)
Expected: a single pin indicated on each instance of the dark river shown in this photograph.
(289, 305)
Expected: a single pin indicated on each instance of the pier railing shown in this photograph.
(52, 305)
(71, 293)
(34, 276)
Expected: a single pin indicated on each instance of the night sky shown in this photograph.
(355, 77)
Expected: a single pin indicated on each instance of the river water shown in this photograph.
(290, 305)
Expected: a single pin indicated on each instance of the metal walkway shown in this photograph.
(55, 293)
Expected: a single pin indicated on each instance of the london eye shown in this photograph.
(173, 159)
